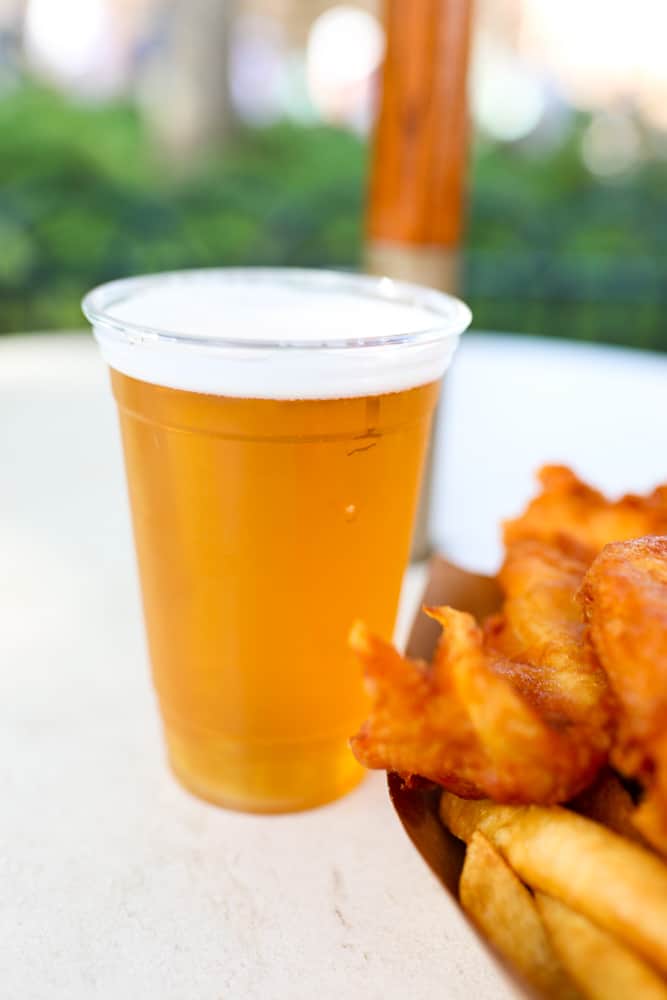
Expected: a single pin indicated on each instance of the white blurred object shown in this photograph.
(257, 69)
(599, 51)
(345, 50)
(611, 144)
(507, 97)
(75, 43)
(512, 404)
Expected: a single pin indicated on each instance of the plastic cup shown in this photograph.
(274, 425)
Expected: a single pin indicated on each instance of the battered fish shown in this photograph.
(466, 724)
(624, 598)
(580, 520)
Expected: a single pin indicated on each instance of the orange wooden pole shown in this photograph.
(418, 161)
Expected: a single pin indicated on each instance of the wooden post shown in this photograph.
(418, 162)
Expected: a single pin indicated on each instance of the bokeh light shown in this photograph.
(599, 51)
(507, 98)
(344, 51)
(257, 70)
(74, 42)
(611, 144)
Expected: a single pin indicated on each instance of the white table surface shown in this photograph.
(115, 883)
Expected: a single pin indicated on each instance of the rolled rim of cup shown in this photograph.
(108, 305)
(276, 332)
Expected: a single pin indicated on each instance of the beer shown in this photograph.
(268, 516)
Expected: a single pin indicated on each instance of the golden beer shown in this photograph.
(264, 527)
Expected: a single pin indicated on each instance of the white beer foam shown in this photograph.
(275, 334)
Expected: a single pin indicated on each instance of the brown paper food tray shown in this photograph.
(417, 808)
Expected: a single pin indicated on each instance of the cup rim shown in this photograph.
(451, 315)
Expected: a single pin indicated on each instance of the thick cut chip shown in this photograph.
(618, 885)
(504, 910)
(602, 967)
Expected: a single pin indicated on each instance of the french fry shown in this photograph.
(602, 968)
(504, 911)
(619, 885)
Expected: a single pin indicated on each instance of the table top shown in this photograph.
(116, 882)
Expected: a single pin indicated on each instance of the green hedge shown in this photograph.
(84, 198)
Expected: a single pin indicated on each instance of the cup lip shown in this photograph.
(451, 315)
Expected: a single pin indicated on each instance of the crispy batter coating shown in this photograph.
(540, 632)
(578, 519)
(533, 754)
(570, 673)
(624, 598)
(465, 724)
(416, 725)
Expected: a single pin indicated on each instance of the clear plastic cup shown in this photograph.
(274, 425)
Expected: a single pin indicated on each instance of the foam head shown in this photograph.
(276, 334)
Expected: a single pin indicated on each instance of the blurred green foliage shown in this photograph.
(85, 197)
(553, 249)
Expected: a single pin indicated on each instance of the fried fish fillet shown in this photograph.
(416, 725)
(465, 723)
(540, 635)
(528, 707)
(624, 599)
(580, 520)
(534, 749)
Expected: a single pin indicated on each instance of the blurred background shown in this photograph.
(142, 135)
